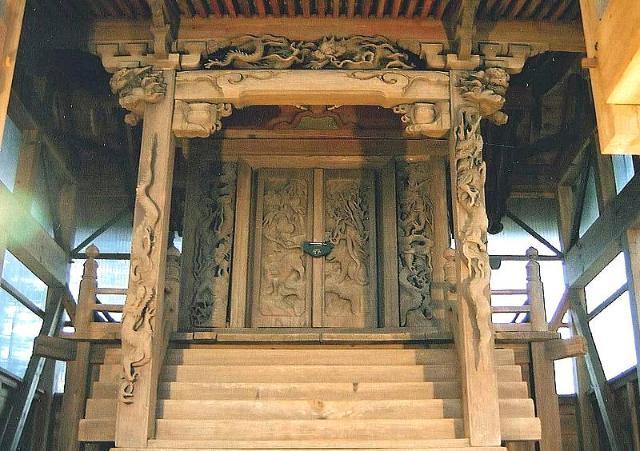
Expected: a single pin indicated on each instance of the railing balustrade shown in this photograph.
(94, 319)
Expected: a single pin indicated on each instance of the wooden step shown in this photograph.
(513, 390)
(309, 410)
(517, 408)
(209, 445)
(309, 429)
(319, 356)
(328, 391)
(310, 356)
(97, 430)
(515, 429)
(305, 391)
(309, 373)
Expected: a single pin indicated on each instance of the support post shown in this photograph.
(11, 15)
(143, 338)
(473, 96)
(601, 388)
(631, 246)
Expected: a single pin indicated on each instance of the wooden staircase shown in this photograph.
(265, 397)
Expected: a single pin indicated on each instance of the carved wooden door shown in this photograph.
(292, 289)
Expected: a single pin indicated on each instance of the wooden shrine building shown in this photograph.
(304, 192)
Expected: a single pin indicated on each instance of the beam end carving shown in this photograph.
(432, 120)
(198, 120)
(135, 88)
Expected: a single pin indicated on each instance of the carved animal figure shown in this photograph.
(357, 52)
(255, 52)
(273, 52)
(139, 310)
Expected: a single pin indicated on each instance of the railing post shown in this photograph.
(535, 292)
(87, 294)
(172, 290)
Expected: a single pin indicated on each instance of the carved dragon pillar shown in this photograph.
(144, 91)
(474, 96)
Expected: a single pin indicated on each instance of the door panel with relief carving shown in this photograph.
(293, 289)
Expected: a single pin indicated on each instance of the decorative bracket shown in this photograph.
(510, 57)
(135, 88)
(425, 119)
(198, 120)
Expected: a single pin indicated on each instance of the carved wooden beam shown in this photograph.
(204, 97)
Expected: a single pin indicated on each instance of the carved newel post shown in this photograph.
(535, 292)
(474, 96)
(149, 93)
(87, 294)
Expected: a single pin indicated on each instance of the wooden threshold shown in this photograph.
(315, 335)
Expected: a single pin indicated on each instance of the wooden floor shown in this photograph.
(296, 396)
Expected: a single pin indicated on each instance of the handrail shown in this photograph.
(533, 307)
(87, 322)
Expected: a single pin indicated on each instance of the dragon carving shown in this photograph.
(140, 306)
(274, 52)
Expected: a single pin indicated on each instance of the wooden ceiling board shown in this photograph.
(551, 10)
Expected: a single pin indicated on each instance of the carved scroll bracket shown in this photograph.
(135, 88)
(198, 120)
(432, 120)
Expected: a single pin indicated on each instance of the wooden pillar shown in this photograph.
(473, 329)
(143, 340)
(11, 15)
(631, 246)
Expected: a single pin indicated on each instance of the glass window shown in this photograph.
(111, 274)
(513, 275)
(59, 375)
(612, 331)
(23, 280)
(564, 369)
(610, 279)
(9, 153)
(622, 170)
(540, 214)
(116, 239)
(18, 327)
(590, 211)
